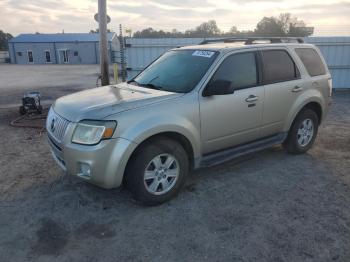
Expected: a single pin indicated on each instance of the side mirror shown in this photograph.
(218, 87)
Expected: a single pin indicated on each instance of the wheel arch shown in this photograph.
(175, 136)
(312, 99)
(316, 107)
(313, 105)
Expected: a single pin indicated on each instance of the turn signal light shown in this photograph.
(108, 133)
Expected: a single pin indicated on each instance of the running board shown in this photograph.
(231, 153)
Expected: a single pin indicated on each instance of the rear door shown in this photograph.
(283, 85)
(232, 119)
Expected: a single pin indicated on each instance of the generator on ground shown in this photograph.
(31, 103)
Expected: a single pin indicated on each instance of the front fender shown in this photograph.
(177, 116)
(160, 124)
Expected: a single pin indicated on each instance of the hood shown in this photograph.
(100, 102)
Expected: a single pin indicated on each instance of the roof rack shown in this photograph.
(254, 40)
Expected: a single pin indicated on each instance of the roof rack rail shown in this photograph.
(253, 40)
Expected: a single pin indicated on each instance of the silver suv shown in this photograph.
(193, 107)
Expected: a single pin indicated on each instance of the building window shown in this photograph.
(75, 53)
(48, 56)
(19, 53)
(30, 56)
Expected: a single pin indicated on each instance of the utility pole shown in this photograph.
(102, 22)
(122, 52)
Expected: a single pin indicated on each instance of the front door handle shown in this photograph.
(251, 98)
(297, 89)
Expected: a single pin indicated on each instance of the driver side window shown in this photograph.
(239, 69)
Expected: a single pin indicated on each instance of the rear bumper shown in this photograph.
(107, 160)
(328, 105)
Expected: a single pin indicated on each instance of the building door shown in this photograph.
(48, 56)
(30, 56)
(63, 56)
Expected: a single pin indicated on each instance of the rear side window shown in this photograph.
(278, 66)
(312, 61)
(239, 69)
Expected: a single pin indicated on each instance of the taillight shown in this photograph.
(330, 87)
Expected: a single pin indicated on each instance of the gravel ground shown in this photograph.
(267, 206)
(51, 81)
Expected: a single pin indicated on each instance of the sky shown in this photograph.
(331, 17)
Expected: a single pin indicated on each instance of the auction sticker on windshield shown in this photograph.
(203, 53)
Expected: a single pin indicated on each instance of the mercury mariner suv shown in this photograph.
(193, 107)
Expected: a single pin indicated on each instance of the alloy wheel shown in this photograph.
(161, 174)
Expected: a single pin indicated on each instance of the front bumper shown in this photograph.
(107, 160)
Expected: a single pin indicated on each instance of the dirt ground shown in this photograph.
(267, 206)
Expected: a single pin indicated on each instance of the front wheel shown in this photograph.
(157, 171)
(302, 133)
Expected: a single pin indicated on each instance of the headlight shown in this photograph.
(92, 132)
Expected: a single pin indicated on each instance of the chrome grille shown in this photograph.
(56, 125)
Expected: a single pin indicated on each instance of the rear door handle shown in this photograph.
(251, 98)
(297, 89)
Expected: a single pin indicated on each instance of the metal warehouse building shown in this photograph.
(139, 52)
(62, 48)
(336, 51)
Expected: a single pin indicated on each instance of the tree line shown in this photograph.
(285, 25)
(4, 38)
(282, 26)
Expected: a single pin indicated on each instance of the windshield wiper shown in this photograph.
(134, 81)
(148, 85)
(152, 86)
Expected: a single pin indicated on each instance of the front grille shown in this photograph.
(56, 125)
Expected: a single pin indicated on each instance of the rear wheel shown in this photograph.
(157, 171)
(302, 133)
(22, 110)
(40, 109)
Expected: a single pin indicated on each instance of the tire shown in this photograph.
(171, 175)
(300, 137)
(22, 110)
(40, 109)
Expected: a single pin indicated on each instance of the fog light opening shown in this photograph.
(84, 170)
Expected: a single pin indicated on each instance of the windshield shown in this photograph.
(176, 71)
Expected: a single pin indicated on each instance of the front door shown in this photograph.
(233, 119)
(30, 56)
